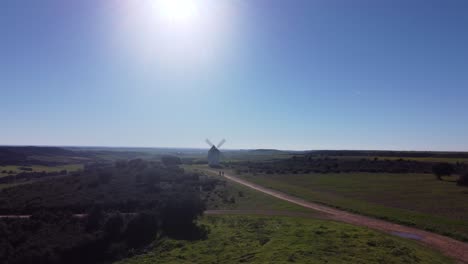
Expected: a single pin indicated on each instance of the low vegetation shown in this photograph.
(463, 179)
(251, 239)
(101, 214)
(443, 169)
(11, 170)
(227, 195)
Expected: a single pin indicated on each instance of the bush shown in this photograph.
(121, 164)
(94, 218)
(463, 180)
(141, 230)
(171, 160)
(105, 177)
(443, 169)
(113, 226)
(179, 215)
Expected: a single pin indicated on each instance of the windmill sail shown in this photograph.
(209, 142)
(221, 143)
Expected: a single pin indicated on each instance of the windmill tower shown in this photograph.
(214, 154)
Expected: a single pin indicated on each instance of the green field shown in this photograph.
(412, 199)
(233, 196)
(422, 159)
(253, 239)
(4, 170)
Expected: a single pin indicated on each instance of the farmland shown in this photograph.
(412, 199)
(422, 159)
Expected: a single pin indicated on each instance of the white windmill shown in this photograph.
(214, 154)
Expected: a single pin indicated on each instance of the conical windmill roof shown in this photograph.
(213, 148)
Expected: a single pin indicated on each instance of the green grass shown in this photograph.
(244, 198)
(39, 168)
(253, 239)
(412, 199)
(422, 159)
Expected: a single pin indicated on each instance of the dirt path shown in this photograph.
(451, 247)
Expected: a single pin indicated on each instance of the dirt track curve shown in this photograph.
(450, 247)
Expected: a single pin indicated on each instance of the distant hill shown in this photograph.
(263, 151)
(11, 155)
(37, 151)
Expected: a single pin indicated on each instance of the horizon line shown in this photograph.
(232, 149)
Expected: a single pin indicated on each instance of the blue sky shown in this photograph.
(262, 74)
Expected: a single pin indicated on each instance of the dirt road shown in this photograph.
(451, 247)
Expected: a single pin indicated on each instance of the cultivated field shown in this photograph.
(413, 199)
(422, 159)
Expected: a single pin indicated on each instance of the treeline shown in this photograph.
(384, 153)
(312, 164)
(122, 208)
(26, 156)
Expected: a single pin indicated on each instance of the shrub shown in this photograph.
(121, 164)
(113, 226)
(141, 230)
(94, 218)
(105, 177)
(443, 169)
(179, 215)
(171, 160)
(463, 179)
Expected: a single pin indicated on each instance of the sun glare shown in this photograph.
(173, 34)
(177, 11)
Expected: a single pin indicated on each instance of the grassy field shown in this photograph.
(253, 239)
(38, 168)
(233, 196)
(422, 159)
(412, 199)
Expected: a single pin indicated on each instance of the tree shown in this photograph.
(94, 218)
(105, 177)
(463, 180)
(180, 212)
(113, 226)
(171, 160)
(443, 169)
(142, 229)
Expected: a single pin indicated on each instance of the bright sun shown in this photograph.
(176, 34)
(177, 11)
